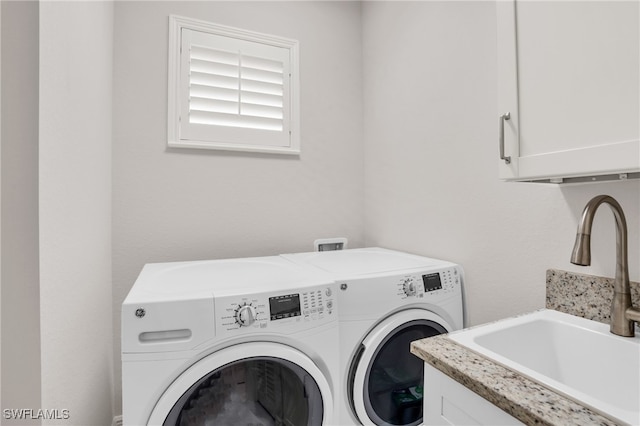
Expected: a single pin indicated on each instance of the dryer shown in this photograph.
(240, 341)
(387, 300)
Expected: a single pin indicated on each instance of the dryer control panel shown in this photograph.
(286, 311)
(436, 282)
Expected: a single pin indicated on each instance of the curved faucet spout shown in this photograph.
(623, 314)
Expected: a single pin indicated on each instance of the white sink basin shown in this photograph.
(574, 356)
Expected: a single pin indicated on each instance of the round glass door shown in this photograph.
(257, 391)
(393, 378)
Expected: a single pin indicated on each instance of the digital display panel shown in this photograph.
(281, 307)
(431, 282)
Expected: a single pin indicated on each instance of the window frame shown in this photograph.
(177, 95)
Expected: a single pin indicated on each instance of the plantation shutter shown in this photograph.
(235, 93)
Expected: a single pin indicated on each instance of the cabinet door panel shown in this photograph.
(578, 64)
(577, 87)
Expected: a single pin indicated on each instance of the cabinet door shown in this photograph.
(447, 402)
(569, 79)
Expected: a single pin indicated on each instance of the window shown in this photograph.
(232, 89)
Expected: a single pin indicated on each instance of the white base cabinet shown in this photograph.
(447, 402)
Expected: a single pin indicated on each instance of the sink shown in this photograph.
(576, 357)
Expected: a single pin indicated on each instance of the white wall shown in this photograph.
(171, 204)
(20, 279)
(76, 45)
(431, 186)
(0, 217)
(425, 84)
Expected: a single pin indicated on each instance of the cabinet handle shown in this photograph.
(504, 117)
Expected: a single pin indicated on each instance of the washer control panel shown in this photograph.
(422, 285)
(284, 311)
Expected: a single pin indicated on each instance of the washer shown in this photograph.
(205, 341)
(387, 300)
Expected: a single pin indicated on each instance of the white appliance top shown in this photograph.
(365, 261)
(218, 278)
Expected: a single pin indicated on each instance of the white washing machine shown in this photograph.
(387, 300)
(230, 342)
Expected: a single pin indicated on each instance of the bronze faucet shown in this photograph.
(623, 314)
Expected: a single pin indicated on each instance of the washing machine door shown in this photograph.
(385, 383)
(247, 384)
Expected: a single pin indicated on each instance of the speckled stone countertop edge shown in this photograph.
(526, 400)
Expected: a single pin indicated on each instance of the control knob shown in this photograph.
(409, 287)
(246, 315)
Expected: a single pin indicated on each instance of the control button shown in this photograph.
(328, 292)
(246, 315)
(409, 287)
(330, 304)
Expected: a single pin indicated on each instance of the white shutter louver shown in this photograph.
(236, 92)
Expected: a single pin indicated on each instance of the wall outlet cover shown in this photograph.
(328, 244)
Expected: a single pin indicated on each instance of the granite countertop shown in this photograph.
(524, 399)
(527, 400)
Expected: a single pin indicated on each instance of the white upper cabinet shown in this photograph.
(569, 94)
